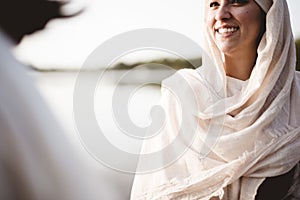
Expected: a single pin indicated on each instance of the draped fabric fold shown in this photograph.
(241, 138)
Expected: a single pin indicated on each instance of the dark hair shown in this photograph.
(22, 17)
(263, 26)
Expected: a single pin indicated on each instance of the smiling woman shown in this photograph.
(241, 107)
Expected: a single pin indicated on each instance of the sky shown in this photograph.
(66, 44)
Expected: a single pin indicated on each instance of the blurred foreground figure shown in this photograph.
(37, 161)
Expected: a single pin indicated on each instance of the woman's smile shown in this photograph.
(226, 30)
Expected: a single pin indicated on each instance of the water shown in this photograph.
(137, 92)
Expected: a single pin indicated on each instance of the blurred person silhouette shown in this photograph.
(36, 159)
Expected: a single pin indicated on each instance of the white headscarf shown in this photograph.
(256, 132)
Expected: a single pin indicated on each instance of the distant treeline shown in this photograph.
(169, 62)
(182, 63)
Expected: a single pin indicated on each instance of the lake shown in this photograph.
(122, 99)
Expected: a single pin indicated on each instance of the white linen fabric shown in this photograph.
(256, 130)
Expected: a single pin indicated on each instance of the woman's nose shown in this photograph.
(223, 13)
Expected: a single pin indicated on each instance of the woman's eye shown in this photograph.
(214, 4)
(239, 2)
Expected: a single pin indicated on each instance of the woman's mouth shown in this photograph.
(227, 30)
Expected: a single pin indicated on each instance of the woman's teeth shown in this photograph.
(227, 30)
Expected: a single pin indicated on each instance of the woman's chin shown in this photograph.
(225, 49)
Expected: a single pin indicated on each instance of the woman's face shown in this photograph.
(234, 25)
